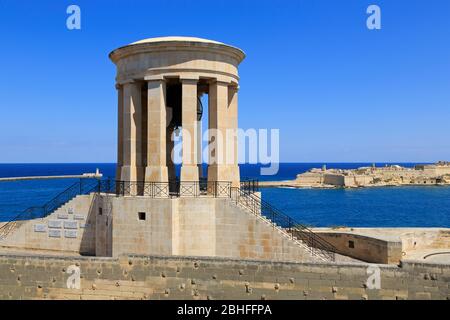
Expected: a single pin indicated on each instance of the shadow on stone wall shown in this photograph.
(88, 242)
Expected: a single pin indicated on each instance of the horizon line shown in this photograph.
(264, 164)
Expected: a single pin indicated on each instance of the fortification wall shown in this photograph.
(138, 277)
(309, 178)
(334, 179)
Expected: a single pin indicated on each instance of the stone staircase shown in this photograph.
(285, 225)
(79, 188)
(67, 229)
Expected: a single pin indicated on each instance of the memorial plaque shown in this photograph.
(53, 233)
(70, 224)
(63, 216)
(78, 217)
(70, 233)
(55, 224)
(40, 228)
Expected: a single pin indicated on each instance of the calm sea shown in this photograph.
(371, 207)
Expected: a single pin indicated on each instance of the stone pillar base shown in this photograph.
(131, 173)
(130, 176)
(156, 178)
(189, 173)
(156, 174)
(189, 181)
(235, 176)
(224, 173)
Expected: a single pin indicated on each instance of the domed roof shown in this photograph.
(177, 41)
(176, 38)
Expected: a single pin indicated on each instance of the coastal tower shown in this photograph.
(159, 85)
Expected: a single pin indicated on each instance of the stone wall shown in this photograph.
(109, 226)
(151, 234)
(334, 179)
(364, 248)
(341, 180)
(70, 228)
(241, 234)
(197, 226)
(139, 277)
(310, 178)
(203, 226)
(425, 239)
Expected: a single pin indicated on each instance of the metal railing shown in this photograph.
(249, 185)
(79, 188)
(243, 195)
(317, 245)
(168, 189)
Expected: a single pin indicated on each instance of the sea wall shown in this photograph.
(158, 277)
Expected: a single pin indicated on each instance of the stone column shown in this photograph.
(223, 162)
(156, 170)
(132, 167)
(232, 137)
(217, 123)
(119, 132)
(189, 169)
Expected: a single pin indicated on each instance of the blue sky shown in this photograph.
(337, 91)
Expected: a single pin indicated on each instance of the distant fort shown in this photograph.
(390, 175)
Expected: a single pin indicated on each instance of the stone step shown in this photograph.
(283, 231)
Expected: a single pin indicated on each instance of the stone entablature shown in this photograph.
(186, 57)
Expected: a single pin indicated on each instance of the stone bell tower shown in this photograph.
(159, 83)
